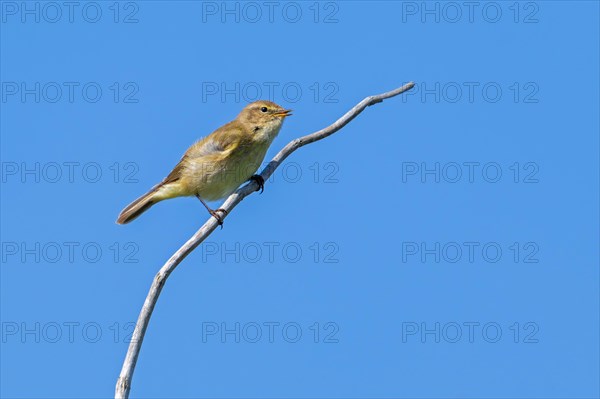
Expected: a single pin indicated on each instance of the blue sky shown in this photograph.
(443, 244)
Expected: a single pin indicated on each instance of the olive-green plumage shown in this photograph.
(218, 164)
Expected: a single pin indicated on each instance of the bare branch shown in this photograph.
(124, 381)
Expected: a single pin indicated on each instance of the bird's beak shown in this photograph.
(284, 113)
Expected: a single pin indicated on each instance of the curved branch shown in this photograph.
(124, 381)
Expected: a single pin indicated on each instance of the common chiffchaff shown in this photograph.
(218, 164)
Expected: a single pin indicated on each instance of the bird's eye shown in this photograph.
(263, 109)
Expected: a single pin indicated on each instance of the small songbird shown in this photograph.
(215, 166)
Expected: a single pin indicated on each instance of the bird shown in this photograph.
(216, 165)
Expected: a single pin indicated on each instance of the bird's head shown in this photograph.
(263, 117)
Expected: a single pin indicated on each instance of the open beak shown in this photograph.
(284, 113)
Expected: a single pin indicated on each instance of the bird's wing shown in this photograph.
(226, 138)
(223, 140)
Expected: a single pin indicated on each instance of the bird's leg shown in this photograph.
(215, 212)
(261, 182)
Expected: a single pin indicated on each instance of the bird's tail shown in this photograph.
(137, 207)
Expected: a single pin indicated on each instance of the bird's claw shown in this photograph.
(260, 181)
(217, 216)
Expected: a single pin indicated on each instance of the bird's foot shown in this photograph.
(218, 216)
(260, 181)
